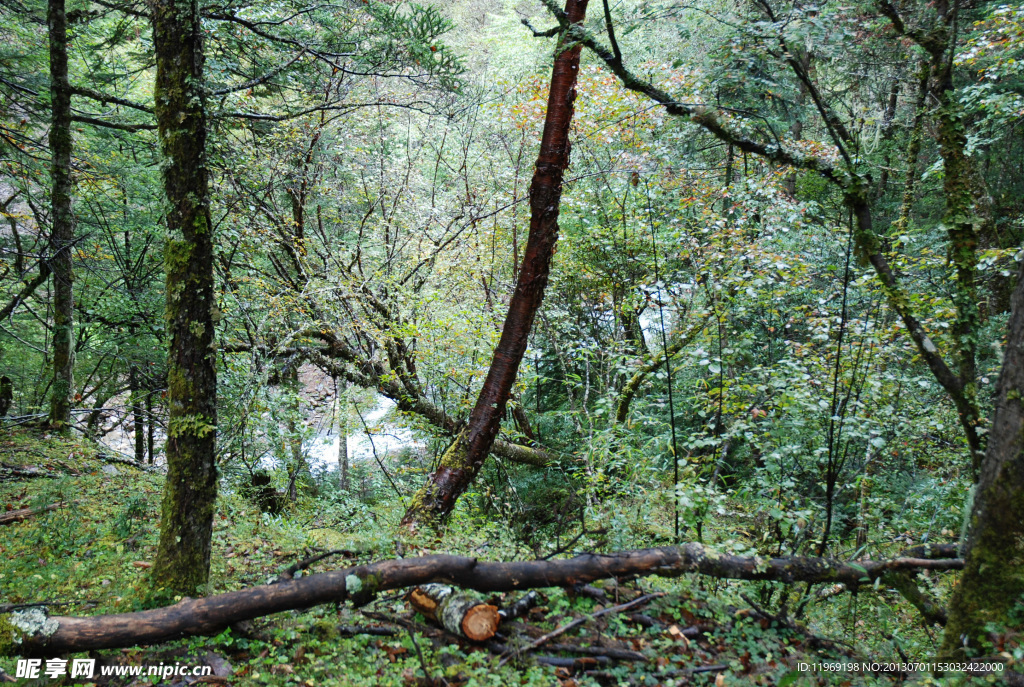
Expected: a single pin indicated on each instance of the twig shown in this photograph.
(423, 661)
(576, 623)
(303, 564)
(717, 668)
(7, 608)
(14, 471)
(616, 654)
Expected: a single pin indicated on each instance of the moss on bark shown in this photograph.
(183, 557)
(987, 607)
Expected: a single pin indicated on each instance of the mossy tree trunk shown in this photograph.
(463, 460)
(182, 562)
(965, 216)
(62, 231)
(988, 604)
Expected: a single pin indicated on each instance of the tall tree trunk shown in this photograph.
(964, 215)
(62, 232)
(463, 460)
(6, 395)
(136, 394)
(991, 590)
(150, 430)
(182, 562)
(342, 411)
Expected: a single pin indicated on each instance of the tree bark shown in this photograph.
(150, 427)
(342, 410)
(6, 395)
(183, 557)
(991, 589)
(437, 498)
(359, 584)
(137, 419)
(62, 231)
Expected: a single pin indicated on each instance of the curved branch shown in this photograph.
(27, 290)
(631, 388)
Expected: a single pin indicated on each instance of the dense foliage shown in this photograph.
(775, 321)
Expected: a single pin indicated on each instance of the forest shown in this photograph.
(534, 342)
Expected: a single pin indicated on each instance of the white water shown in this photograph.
(380, 435)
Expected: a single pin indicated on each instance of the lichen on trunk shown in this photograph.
(183, 558)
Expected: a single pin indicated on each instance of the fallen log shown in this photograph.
(35, 632)
(29, 472)
(14, 516)
(460, 614)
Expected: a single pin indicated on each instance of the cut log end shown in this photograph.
(480, 622)
(459, 613)
(422, 602)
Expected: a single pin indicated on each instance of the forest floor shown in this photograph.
(91, 555)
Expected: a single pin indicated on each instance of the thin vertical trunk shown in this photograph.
(796, 130)
(140, 433)
(342, 401)
(888, 121)
(62, 232)
(463, 460)
(913, 153)
(182, 562)
(962, 217)
(150, 431)
(6, 395)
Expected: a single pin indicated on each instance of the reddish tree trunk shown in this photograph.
(464, 459)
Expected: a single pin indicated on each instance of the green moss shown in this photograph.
(192, 425)
(362, 589)
(455, 455)
(177, 258)
(10, 636)
(179, 386)
(992, 585)
(325, 630)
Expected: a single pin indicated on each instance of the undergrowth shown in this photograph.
(92, 554)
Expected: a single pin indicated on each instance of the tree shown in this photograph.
(62, 230)
(466, 456)
(182, 563)
(996, 534)
(987, 607)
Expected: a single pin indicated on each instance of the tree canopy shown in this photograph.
(737, 284)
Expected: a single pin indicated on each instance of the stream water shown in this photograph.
(377, 435)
